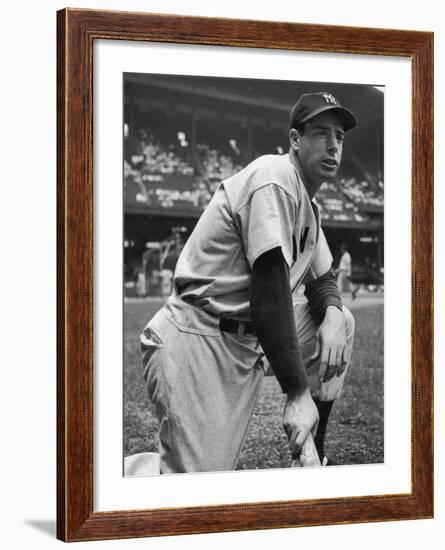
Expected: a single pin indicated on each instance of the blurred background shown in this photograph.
(183, 135)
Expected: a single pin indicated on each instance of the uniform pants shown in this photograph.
(204, 383)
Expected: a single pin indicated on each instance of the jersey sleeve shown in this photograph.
(267, 221)
(274, 321)
(321, 261)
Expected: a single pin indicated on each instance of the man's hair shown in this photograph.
(299, 127)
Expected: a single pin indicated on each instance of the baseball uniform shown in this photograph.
(204, 381)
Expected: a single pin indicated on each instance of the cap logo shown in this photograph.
(330, 99)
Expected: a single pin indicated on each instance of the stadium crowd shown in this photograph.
(149, 158)
(363, 192)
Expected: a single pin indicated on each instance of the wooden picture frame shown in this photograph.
(76, 32)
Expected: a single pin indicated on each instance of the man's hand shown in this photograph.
(330, 345)
(300, 417)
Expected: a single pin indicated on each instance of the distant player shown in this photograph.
(344, 272)
(258, 240)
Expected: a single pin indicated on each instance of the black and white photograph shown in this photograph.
(253, 274)
(140, 141)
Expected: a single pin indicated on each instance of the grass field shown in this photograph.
(355, 433)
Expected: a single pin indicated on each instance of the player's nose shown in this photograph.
(332, 143)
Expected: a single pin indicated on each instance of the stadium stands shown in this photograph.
(157, 176)
(184, 135)
(362, 192)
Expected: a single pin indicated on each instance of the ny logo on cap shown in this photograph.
(330, 98)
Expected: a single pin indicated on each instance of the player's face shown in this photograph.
(320, 147)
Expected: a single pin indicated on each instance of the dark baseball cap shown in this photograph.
(310, 105)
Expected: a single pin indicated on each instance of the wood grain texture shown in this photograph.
(76, 32)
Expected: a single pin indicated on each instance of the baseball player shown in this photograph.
(232, 306)
(344, 271)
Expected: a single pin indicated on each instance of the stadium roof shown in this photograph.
(365, 101)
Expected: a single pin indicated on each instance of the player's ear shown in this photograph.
(294, 139)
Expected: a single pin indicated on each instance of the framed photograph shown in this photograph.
(186, 147)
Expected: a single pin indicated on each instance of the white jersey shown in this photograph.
(262, 207)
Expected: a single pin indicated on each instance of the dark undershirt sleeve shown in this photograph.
(323, 292)
(273, 317)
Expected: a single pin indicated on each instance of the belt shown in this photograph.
(237, 327)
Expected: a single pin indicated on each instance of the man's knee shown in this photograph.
(349, 323)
